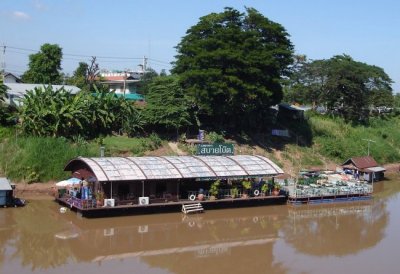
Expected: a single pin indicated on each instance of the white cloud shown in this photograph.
(21, 15)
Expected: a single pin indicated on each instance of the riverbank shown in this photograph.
(35, 190)
(46, 190)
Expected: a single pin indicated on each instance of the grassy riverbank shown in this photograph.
(42, 159)
(331, 141)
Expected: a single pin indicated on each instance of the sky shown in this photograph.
(121, 33)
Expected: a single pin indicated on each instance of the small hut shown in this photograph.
(364, 168)
(6, 192)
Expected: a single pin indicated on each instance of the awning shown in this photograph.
(5, 184)
(176, 167)
(376, 169)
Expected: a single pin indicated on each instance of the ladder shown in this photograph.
(192, 208)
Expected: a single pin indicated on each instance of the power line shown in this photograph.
(79, 55)
(158, 61)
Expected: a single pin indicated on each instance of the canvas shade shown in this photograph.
(69, 182)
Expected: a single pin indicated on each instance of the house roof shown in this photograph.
(176, 167)
(361, 162)
(17, 79)
(20, 89)
(376, 169)
(118, 78)
(5, 184)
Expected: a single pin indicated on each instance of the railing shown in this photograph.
(331, 191)
(81, 203)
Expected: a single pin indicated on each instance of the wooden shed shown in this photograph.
(365, 168)
(6, 192)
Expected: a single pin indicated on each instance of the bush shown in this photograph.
(215, 137)
(34, 159)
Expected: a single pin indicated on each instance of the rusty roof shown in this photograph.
(361, 162)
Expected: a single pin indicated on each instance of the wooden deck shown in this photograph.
(90, 211)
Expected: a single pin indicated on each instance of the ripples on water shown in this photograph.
(357, 237)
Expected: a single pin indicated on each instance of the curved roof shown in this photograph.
(176, 167)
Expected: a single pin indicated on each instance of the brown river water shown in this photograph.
(357, 237)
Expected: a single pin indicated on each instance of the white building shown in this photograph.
(16, 91)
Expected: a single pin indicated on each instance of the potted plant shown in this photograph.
(246, 186)
(264, 188)
(200, 196)
(277, 187)
(99, 198)
(214, 189)
(234, 192)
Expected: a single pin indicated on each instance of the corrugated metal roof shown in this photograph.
(5, 184)
(376, 169)
(177, 167)
(362, 162)
(19, 89)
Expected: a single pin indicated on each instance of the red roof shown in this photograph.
(114, 78)
(361, 162)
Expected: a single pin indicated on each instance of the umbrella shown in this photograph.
(69, 182)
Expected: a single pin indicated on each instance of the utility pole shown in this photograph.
(369, 141)
(3, 64)
(144, 64)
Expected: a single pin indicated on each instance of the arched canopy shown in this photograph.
(176, 167)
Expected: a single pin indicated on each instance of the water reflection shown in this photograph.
(180, 243)
(38, 238)
(34, 241)
(336, 229)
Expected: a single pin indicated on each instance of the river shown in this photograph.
(357, 237)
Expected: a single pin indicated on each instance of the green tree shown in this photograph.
(80, 76)
(350, 85)
(396, 100)
(231, 64)
(167, 106)
(147, 79)
(3, 108)
(347, 87)
(44, 66)
(307, 82)
(49, 112)
(3, 90)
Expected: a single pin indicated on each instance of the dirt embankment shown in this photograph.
(35, 190)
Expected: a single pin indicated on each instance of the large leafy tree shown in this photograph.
(231, 64)
(307, 81)
(80, 76)
(351, 87)
(167, 107)
(45, 66)
(346, 87)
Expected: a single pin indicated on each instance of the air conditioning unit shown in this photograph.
(143, 200)
(109, 202)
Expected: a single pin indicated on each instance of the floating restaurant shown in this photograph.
(140, 185)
